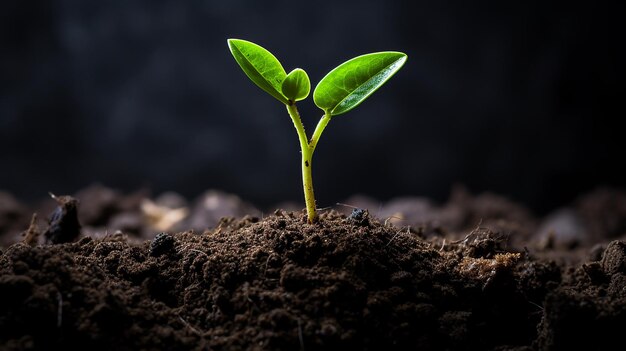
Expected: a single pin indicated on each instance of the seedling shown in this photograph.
(341, 90)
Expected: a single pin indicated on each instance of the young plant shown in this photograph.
(341, 90)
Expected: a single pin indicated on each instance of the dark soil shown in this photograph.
(478, 273)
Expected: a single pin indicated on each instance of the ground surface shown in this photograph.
(478, 272)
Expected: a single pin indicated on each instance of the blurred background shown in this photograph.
(520, 98)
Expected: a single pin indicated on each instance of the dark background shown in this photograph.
(520, 98)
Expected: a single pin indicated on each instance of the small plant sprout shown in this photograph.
(341, 90)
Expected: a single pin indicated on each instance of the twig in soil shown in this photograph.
(220, 227)
(393, 217)
(300, 336)
(31, 235)
(194, 330)
(464, 240)
(470, 234)
(408, 230)
(346, 205)
(267, 262)
(185, 248)
(198, 251)
(324, 208)
(536, 304)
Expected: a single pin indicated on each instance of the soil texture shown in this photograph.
(108, 271)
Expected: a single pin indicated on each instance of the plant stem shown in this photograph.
(297, 122)
(307, 148)
(319, 129)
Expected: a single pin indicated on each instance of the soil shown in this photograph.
(124, 271)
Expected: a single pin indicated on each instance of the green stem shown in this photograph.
(307, 153)
(319, 129)
(307, 148)
(297, 122)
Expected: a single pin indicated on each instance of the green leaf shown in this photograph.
(296, 85)
(349, 84)
(260, 66)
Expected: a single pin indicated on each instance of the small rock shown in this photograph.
(359, 215)
(64, 226)
(161, 244)
(614, 258)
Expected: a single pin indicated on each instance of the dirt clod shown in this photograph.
(614, 257)
(161, 244)
(63, 222)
